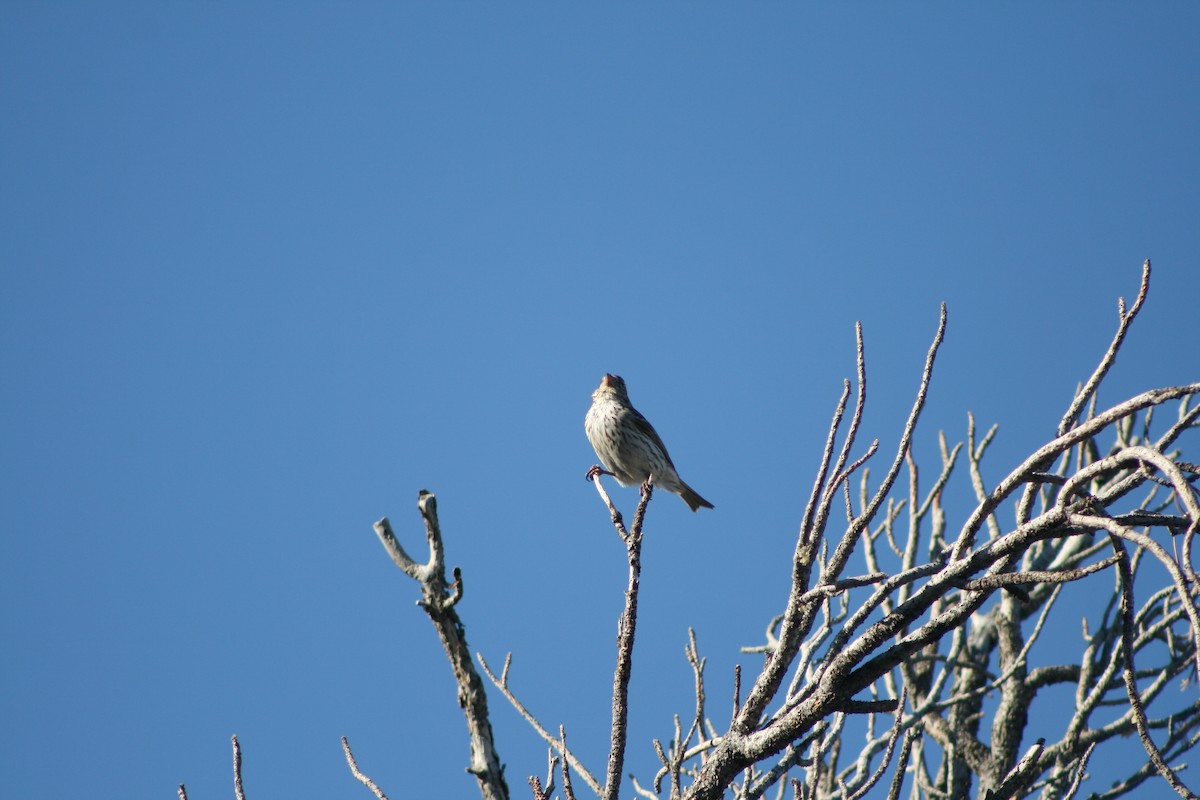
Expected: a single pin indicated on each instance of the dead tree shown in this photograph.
(929, 651)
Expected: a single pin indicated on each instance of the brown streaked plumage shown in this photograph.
(628, 445)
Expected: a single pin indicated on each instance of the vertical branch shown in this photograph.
(438, 598)
(974, 457)
(625, 634)
(842, 552)
(237, 770)
(1130, 675)
(816, 514)
(902, 764)
(568, 789)
(816, 517)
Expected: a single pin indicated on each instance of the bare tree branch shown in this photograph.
(568, 789)
(626, 629)
(237, 770)
(438, 599)
(1125, 319)
(559, 744)
(942, 629)
(358, 774)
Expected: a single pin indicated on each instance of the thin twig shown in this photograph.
(358, 774)
(568, 789)
(501, 683)
(1080, 771)
(626, 629)
(617, 520)
(1125, 319)
(902, 764)
(892, 738)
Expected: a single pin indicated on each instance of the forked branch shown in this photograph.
(438, 599)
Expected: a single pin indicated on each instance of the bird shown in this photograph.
(628, 445)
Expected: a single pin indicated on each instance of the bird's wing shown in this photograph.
(643, 425)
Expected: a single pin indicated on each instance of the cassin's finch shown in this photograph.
(628, 445)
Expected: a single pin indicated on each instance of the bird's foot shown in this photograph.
(595, 470)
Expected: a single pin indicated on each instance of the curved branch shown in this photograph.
(358, 774)
(1110, 355)
(1135, 699)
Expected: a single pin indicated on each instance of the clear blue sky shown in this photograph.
(268, 269)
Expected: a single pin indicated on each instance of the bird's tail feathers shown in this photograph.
(694, 501)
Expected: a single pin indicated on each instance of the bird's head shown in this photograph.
(613, 386)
